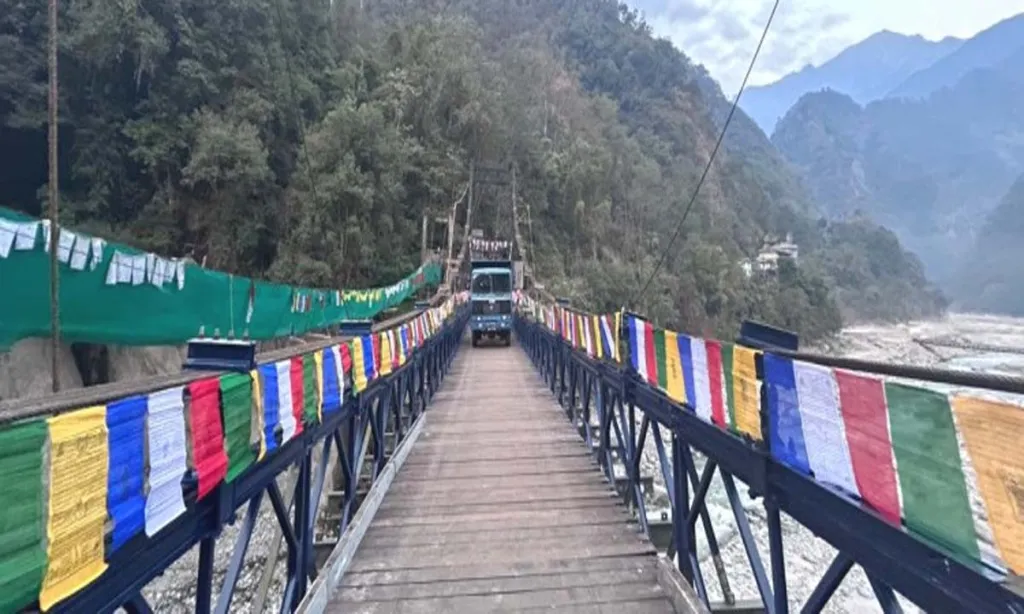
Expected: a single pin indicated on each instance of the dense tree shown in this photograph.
(305, 140)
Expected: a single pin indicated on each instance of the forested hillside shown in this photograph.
(991, 278)
(304, 140)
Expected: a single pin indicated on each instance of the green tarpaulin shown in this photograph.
(120, 295)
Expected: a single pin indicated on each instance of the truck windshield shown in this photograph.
(496, 283)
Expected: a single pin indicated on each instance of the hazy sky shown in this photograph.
(722, 34)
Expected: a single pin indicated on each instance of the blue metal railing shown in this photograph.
(629, 412)
(392, 402)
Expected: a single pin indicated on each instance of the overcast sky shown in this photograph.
(722, 34)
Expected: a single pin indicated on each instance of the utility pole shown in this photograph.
(423, 239)
(53, 205)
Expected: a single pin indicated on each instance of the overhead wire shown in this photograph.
(711, 158)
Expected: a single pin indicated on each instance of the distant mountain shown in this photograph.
(866, 72)
(930, 170)
(984, 50)
(991, 278)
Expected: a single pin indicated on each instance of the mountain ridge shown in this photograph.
(930, 169)
(865, 71)
(990, 47)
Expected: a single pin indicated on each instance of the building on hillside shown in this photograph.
(771, 253)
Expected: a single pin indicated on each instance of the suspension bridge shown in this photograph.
(431, 476)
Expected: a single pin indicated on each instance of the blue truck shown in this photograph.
(490, 295)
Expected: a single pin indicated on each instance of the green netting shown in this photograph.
(161, 312)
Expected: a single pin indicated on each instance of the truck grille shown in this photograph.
(481, 308)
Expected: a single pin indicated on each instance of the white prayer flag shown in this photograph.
(285, 415)
(165, 432)
(138, 267)
(8, 230)
(97, 254)
(26, 235)
(65, 242)
(80, 253)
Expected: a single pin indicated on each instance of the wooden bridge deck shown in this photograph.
(499, 507)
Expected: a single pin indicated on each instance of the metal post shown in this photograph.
(204, 581)
(681, 506)
(302, 528)
(53, 197)
(227, 589)
(778, 559)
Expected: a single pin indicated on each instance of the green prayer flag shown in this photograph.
(236, 397)
(935, 500)
(22, 520)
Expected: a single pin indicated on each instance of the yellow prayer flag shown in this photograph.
(259, 433)
(615, 333)
(746, 391)
(358, 365)
(78, 503)
(318, 361)
(992, 432)
(385, 354)
(595, 325)
(674, 365)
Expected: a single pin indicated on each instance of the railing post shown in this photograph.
(204, 579)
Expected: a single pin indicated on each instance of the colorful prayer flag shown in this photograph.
(77, 504)
(126, 498)
(934, 492)
(22, 516)
(208, 455)
(168, 457)
(236, 393)
(992, 432)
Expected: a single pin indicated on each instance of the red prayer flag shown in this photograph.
(866, 418)
(714, 351)
(208, 455)
(346, 358)
(652, 360)
(295, 371)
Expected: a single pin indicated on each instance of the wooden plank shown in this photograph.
(442, 528)
(458, 514)
(488, 483)
(510, 454)
(594, 514)
(428, 575)
(508, 584)
(532, 552)
(570, 532)
(647, 606)
(424, 494)
(484, 469)
(501, 507)
(504, 602)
